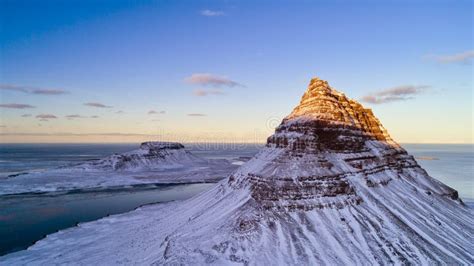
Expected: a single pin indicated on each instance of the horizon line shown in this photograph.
(210, 142)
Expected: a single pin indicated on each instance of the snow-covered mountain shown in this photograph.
(150, 155)
(152, 163)
(330, 187)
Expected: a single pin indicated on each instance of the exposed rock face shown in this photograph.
(330, 187)
(155, 146)
(326, 119)
(150, 155)
(326, 139)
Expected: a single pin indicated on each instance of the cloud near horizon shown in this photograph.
(212, 13)
(32, 90)
(45, 117)
(98, 105)
(202, 92)
(400, 93)
(464, 58)
(153, 112)
(16, 106)
(71, 117)
(74, 116)
(196, 114)
(206, 79)
(49, 91)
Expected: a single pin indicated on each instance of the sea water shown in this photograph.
(452, 164)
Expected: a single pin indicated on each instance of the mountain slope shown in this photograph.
(330, 187)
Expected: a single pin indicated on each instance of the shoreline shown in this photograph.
(55, 212)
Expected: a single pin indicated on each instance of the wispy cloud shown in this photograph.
(201, 92)
(464, 58)
(400, 93)
(70, 117)
(32, 90)
(98, 105)
(26, 115)
(196, 114)
(9, 87)
(49, 91)
(205, 79)
(16, 106)
(119, 112)
(153, 112)
(46, 117)
(212, 13)
(74, 116)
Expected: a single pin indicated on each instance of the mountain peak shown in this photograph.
(317, 83)
(326, 108)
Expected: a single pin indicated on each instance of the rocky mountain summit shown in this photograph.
(330, 187)
(327, 139)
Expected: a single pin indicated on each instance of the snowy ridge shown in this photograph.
(329, 189)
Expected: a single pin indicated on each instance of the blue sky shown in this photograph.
(138, 56)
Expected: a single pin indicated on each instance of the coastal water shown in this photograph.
(25, 219)
(452, 164)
